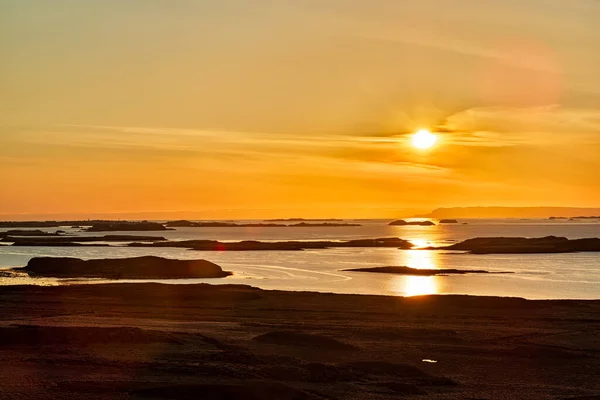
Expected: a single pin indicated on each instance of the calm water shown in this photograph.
(535, 276)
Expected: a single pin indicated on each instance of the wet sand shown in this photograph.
(150, 341)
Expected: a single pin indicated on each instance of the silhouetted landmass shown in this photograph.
(126, 226)
(148, 267)
(575, 218)
(509, 212)
(402, 222)
(448, 221)
(421, 272)
(189, 224)
(518, 245)
(182, 342)
(27, 233)
(250, 245)
(67, 240)
(304, 220)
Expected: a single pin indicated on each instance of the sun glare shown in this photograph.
(424, 139)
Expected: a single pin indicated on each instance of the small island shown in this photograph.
(448, 221)
(148, 267)
(421, 272)
(521, 245)
(402, 222)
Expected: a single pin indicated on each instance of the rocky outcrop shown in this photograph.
(126, 268)
(448, 221)
(402, 222)
(520, 245)
(421, 272)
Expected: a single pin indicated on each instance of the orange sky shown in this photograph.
(296, 109)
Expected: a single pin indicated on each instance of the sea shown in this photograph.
(531, 276)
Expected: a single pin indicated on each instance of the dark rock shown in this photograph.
(448, 221)
(402, 222)
(419, 272)
(520, 245)
(20, 232)
(126, 268)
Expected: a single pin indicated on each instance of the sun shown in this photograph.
(423, 139)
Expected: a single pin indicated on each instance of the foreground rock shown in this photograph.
(126, 268)
(77, 240)
(127, 226)
(520, 245)
(250, 245)
(402, 222)
(421, 272)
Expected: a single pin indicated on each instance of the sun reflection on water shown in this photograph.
(418, 259)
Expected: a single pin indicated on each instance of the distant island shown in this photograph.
(127, 226)
(217, 224)
(420, 271)
(402, 222)
(509, 212)
(304, 220)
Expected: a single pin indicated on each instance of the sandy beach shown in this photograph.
(149, 341)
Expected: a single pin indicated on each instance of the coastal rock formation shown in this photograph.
(421, 272)
(21, 232)
(126, 226)
(402, 222)
(125, 268)
(251, 245)
(448, 221)
(519, 245)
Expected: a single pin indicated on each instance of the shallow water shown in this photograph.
(535, 276)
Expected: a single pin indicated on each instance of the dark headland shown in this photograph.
(182, 342)
(147, 267)
(402, 222)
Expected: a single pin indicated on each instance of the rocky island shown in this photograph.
(123, 268)
(402, 222)
(421, 272)
(521, 245)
